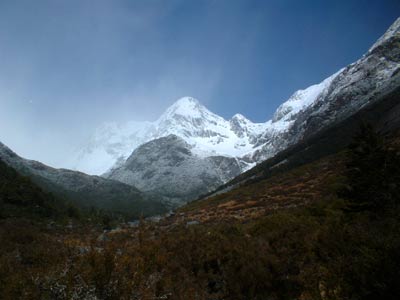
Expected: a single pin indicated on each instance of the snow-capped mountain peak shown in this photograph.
(186, 106)
(189, 108)
(240, 118)
(188, 118)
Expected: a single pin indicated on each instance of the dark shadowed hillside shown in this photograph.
(84, 190)
(21, 197)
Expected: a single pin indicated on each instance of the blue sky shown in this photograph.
(68, 65)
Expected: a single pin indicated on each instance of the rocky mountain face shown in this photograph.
(189, 147)
(167, 167)
(83, 189)
(367, 80)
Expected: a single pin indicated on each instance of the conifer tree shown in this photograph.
(373, 172)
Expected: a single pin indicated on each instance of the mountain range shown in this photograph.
(190, 151)
(207, 133)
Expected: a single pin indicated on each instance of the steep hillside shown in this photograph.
(298, 187)
(384, 115)
(364, 82)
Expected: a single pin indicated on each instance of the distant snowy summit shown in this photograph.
(208, 135)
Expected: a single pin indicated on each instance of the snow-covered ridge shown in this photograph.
(299, 101)
(393, 31)
(207, 133)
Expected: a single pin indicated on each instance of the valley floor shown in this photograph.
(317, 252)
